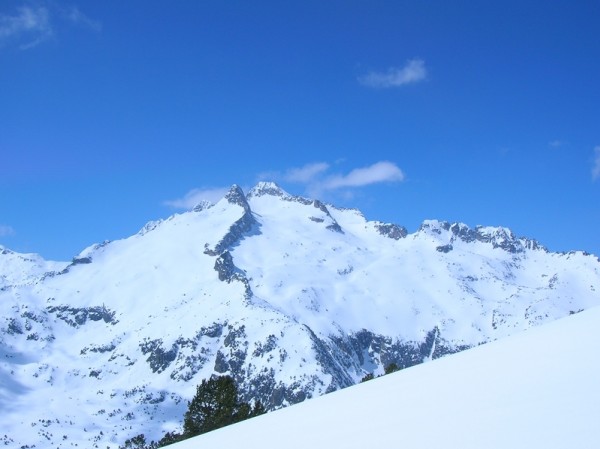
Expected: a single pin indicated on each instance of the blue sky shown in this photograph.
(116, 113)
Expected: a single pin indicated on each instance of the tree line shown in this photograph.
(216, 404)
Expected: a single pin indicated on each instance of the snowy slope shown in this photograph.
(17, 269)
(292, 297)
(538, 388)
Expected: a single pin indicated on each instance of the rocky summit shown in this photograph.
(292, 297)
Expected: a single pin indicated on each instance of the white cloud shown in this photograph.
(556, 143)
(413, 71)
(317, 180)
(77, 17)
(306, 173)
(313, 176)
(6, 231)
(299, 175)
(33, 25)
(30, 26)
(379, 172)
(596, 167)
(195, 196)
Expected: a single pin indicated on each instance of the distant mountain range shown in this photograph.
(292, 297)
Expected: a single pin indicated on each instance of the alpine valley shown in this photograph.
(292, 297)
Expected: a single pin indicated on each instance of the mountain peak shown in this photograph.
(267, 188)
(236, 196)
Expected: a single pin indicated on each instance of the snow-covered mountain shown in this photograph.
(535, 389)
(292, 297)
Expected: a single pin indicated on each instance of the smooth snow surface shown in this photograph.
(537, 389)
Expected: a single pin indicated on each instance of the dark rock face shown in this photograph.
(326, 358)
(501, 238)
(464, 233)
(228, 272)
(14, 327)
(98, 348)
(186, 356)
(202, 205)
(159, 358)
(372, 351)
(444, 248)
(236, 196)
(333, 226)
(344, 358)
(225, 268)
(319, 205)
(194, 353)
(78, 316)
(237, 230)
(392, 231)
(235, 350)
(221, 365)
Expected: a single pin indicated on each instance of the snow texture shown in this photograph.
(535, 389)
(292, 297)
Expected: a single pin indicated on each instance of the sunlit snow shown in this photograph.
(113, 344)
(535, 389)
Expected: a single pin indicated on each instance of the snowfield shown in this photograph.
(537, 389)
(291, 297)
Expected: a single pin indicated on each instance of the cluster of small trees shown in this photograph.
(391, 368)
(216, 404)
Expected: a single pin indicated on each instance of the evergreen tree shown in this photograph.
(137, 442)
(367, 377)
(170, 438)
(391, 368)
(215, 405)
(258, 409)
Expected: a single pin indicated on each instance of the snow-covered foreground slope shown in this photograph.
(291, 297)
(537, 389)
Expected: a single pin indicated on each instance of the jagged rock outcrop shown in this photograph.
(391, 230)
(500, 237)
(239, 227)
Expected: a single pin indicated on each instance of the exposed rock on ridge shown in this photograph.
(237, 229)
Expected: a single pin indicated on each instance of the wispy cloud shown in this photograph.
(412, 72)
(33, 25)
(377, 173)
(29, 27)
(195, 196)
(556, 143)
(596, 166)
(75, 16)
(6, 231)
(317, 179)
(297, 175)
(306, 173)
